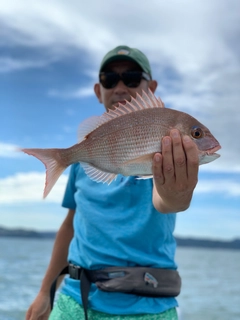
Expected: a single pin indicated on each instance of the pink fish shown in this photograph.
(124, 140)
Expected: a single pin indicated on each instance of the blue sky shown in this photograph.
(49, 58)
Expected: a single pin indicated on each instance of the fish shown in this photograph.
(124, 141)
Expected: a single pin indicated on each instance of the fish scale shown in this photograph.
(124, 140)
(138, 138)
(111, 151)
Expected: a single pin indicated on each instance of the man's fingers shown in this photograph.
(179, 156)
(157, 169)
(192, 157)
(168, 166)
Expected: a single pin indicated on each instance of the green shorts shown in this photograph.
(66, 308)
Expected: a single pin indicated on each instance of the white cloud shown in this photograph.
(72, 94)
(8, 150)
(193, 34)
(8, 64)
(28, 188)
(227, 187)
(217, 222)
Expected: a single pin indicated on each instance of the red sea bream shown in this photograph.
(124, 140)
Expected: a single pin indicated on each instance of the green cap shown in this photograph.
(126, 53)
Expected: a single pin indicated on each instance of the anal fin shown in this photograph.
(98, 175)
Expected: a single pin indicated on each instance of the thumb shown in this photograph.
(28, 314)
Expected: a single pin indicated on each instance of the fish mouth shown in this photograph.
(213, 151)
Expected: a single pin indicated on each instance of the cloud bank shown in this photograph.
(193, 47)
(8, 150)
(28, 188)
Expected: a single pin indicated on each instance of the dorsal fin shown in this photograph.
(147, 100)
(88, 126)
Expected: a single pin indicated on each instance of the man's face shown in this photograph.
(111, 97)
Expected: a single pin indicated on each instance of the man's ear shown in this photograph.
(97, 91)
(152, 85)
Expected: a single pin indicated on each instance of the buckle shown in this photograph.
(74, 271)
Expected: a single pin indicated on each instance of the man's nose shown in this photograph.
(120, 88)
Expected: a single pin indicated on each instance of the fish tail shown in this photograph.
(54, 166)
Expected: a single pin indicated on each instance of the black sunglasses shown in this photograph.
(131, 79)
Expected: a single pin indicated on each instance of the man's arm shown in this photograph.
(175, 173)
(40, 308)
(60, 251)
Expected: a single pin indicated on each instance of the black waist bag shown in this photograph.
(142, 281)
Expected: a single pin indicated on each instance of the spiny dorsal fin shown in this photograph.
(147, 100)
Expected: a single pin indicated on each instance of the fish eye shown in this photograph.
(196, 132)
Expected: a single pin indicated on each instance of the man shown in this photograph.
(128, 224)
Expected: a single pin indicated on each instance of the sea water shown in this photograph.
(210, 279)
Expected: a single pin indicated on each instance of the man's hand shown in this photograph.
(175, 173)
(40, 308)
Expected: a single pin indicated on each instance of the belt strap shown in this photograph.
(85, 285)
(76, 273)
(54, 285)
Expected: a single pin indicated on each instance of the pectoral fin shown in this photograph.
(142, 159)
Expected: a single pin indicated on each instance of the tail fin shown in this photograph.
(54, 168)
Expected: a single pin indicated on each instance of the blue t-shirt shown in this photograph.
(117, 225)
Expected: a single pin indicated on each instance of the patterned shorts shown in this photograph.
(67, 308)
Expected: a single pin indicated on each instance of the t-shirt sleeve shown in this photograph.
(68, 198)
